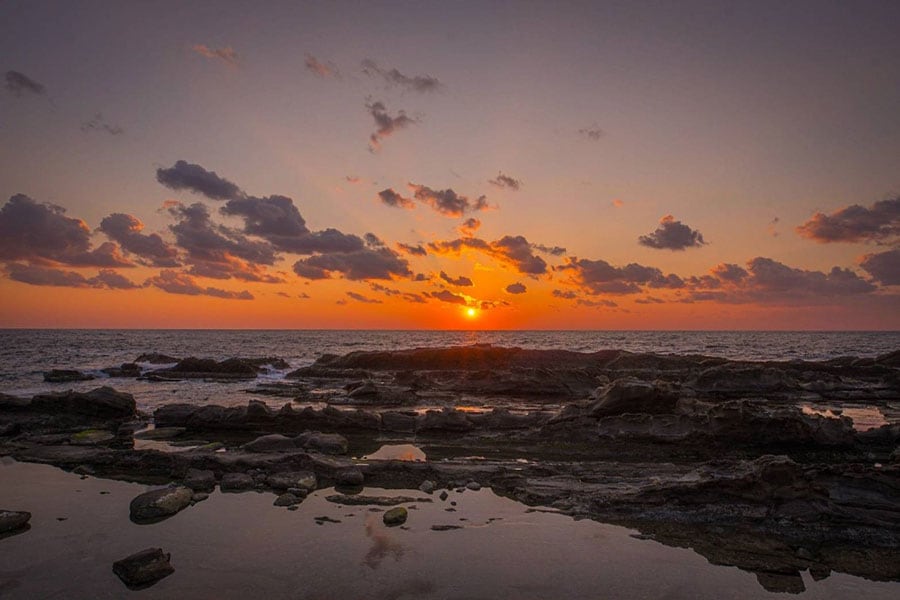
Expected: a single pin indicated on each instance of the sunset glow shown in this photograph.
(212, 177)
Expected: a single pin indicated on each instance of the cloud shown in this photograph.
(393, 77)
(672, 235)
(194, 178)
(392, 198)
(729, 272)
(505, 181)
(363, 299)
(771, 227)
(599, 277)
(417, 250)
(151, 249)
(596, 303)
(460, 281)
(386, 124)
(98, 123)
(226, 55)
(41, 232)
(514, 251)
(174, 282)
(392, 292)
(516, 288)
(19, 84)
(593, 133)
(617, 203)
(447, 202)
(364, 264)
(564, 294)
(469, 227)
(47, 276)
(448, 296)
(884, 267)
(320, 69)
(855, 223)
(551, 250)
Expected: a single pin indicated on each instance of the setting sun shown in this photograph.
(471, 313)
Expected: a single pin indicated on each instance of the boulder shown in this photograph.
(11, 520)
(287, 499)
(197, 479)
(351, 477)
(447, 419)
(144, 568)
(159, 504)
(630, 395)
(124, 370)
(274, 442)
(395, 516)
(327, 443)
(155, 358)
(102, 402)
(66, 375)
(236, 482)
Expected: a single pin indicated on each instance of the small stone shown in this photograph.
(445, 527)
(299, 492)
(427, 486)
(286, 500)
(161, 503)
(444, 495)
(10, 520)
(453, 503)
(144, 568)
(395, 516)
(350, 477)
(474, 486)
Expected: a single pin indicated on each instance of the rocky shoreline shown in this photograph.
(754, 465)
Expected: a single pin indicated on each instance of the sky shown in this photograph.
(450, 165)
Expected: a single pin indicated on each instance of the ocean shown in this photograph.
(26, 354)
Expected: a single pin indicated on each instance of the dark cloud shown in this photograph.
(511, 250)
(469, 227)
(729, 272)
(18, 84)
(47, 276)
(596, 303)
(174, 282)
(417, 250)
(516, 288)
(41, 232)
(855, 223)
(599, 277)
(186, 176)
(151, 249)
(385, 123)
(460, 281)
(226, 55)
(551, 250)
(98, 123)
(363, 299)
(392, 198)
(320, 69)
(593, 133)
(505, 181)
(672, 235)
(650, 300)
(393, 77)
(447, 202)
(364, 264)
(448, 296)
(884, 267)
(564, 294)
(395, 293)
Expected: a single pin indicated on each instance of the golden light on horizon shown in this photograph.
(471, 313)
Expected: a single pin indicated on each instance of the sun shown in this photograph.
(471, 313)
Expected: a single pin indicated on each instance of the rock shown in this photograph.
(299, 492)
(361, 500)
(159, 504)
(327, 443)
(427, 486)
(11, 520)
(197, 479)
(293, 480)
(444, 495)
(236, 482)
(274, 442)
(287, 499)
(473, 485)
(207, 368)
(395, 516)
(447, 419)
(83, 470)
(154, 358)
(199, 497)
(159, 433)
(445, 527)
(124, 370)
(144, 568)
(103, 402)
(632, 395)
(363, 390)
(350, 477)
(92, 437)
(66, 375)
(398, 421)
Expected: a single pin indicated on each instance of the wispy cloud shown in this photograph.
(226, 55)
(393, 77)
